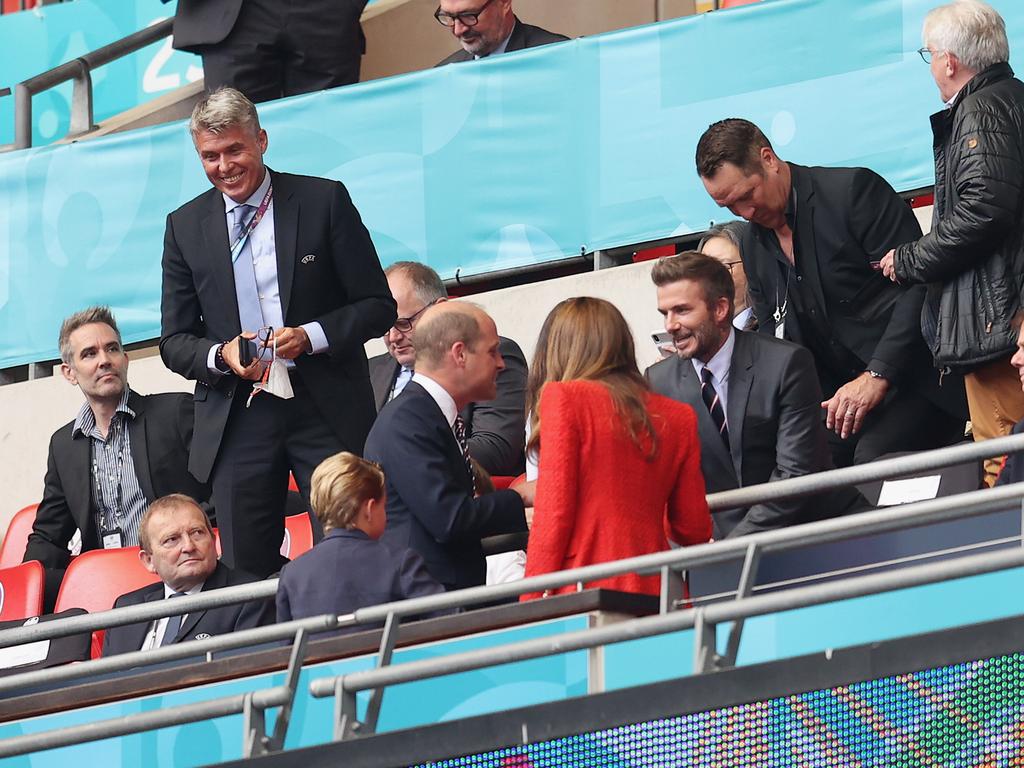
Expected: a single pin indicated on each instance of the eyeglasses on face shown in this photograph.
(404, 324)
(468, 18)
(927, 54)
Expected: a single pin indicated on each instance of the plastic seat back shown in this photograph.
(16, 538)
(21, 591)
(298, 536)
(95, 579)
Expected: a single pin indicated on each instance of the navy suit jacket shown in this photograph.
(496, 429)
(346, 571)
(213, 622)
(327, 271)
(430, 507)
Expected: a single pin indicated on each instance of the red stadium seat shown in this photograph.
(16, 538)
(298, 536)
(21, 591)
(736, 3)
(95, 579)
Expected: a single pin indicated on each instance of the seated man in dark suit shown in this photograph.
(419, 442)
(122, 451)
(488, 27)
(757, 399)
(178, 546)
(496, 429)
(350, 568)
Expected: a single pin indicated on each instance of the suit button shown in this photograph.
(799, 279)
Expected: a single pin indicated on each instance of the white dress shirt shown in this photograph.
(155, 636)
(444, 401)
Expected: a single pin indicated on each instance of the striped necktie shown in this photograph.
(173, 624)
(714, 404)
(460, 436)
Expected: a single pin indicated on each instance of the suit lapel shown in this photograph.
(215, 233)
(217, 580)
(741, 376)
(382, 378)
(807, 258)
(712, 446)
(79, 492)
(140, 446)
(286, 233)
(516, 40)
(135, 634)
(454, 451)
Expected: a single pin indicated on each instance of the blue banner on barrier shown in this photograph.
(515, 160)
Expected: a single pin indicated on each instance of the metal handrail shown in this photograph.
(884, 469)
(79, 71)
(703, 619)
(945, 509)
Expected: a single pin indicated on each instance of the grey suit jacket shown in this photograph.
(775, 431)
(496, 429)
(523, 36)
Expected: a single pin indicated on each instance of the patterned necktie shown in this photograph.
(714, 404)
(173, 625)
(460, 436)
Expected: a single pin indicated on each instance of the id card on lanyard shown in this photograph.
(243, 237)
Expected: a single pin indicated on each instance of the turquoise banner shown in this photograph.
(516, 160)
(40, 39)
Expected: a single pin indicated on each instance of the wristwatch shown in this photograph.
(874, 374)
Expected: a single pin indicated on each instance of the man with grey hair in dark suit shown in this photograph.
(757, 398)
(488, 28)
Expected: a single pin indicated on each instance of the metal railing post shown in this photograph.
(671, 589)
(346, 722)
(704, 644)
(81, 101)
(387, 649)
(22, 117)
(744, 588)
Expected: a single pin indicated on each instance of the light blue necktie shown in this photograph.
(250, 313)
(403, 378)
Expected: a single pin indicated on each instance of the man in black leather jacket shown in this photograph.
(973, 257)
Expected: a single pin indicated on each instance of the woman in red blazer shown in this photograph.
(619, 465)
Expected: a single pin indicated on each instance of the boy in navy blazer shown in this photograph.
(350, 568)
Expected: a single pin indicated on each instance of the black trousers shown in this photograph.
(905, 422)
(261, 444)
(281, 48)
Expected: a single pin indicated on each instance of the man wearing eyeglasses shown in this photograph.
(488, 28)
(972, 260)
(811, 259)
(495, 429)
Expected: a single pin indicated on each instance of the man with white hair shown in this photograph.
(973, 258)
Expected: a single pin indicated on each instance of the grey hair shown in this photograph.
(223, 109)
(729, 230)
(85, 317)
(426, 283)
(969, 29)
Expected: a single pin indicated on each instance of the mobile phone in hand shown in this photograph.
(247, 351)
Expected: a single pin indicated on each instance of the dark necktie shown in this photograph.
(460, 436)
(714, 404)
(173, 625)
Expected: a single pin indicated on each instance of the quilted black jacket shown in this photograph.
(973, 257)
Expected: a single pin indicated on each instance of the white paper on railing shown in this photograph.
(905, 491)
(19, 655)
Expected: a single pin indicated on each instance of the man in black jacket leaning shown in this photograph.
(972, 260)
(810, 255)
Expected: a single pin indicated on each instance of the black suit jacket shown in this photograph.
(346, 571)
(160, 434)
(430, 503)
(847, 218)
(496, 429)
(523, 36)
(213, 622)
(775, 431)
(203, 22)
(327, 270)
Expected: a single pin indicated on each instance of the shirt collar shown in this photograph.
(503, 45)
(85, 421)
(444, 401)
(194, 591)
(740, 321)
(254, 199)
(719, 364)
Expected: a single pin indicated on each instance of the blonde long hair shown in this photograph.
(588, 339)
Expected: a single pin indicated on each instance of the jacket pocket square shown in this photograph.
(309, 258)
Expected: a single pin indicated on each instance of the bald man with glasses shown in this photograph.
(488, 28)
